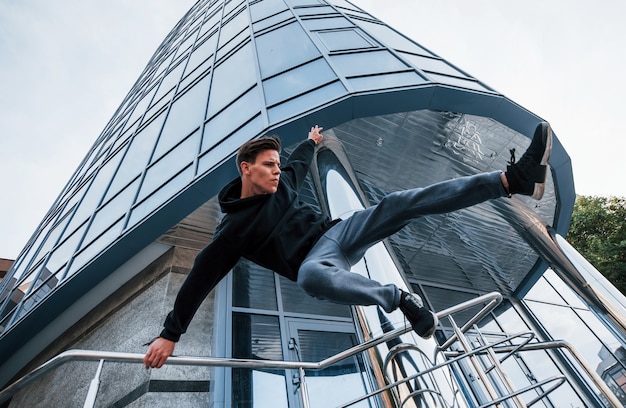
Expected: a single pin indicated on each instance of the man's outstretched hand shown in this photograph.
(159, 351)
(315, 134)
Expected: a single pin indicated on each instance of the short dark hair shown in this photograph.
(249, 150)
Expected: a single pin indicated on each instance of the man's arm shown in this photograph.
(210, 266)
(299, 161)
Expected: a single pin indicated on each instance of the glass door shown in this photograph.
(314, 341)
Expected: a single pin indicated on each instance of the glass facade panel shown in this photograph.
(342, 40)
(257, 337)
(290, 37)
(367, 63)
(327, 23)
(386, 81)
(95, 247)
(562, 322)
(563, 290)
(232, 78)
(272, 21)
(264, 9)
(295, 300)
(255, 287)
(180, 157)
(300, 79)
(170, 81)
(231, 118)
(313, 98)
(137, 156)
(227, 146)
(460, 82)
(345, 377)
(168, 189)
(233, 27)
(202, 53)
(65, 250)
(391, 38)
(186, 115)
(432, 64)
(112, 211)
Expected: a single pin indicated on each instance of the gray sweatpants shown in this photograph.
(325, 272)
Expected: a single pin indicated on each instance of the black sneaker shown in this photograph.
(528, 175)
(423, 321)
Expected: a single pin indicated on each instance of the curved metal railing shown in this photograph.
(490, 300)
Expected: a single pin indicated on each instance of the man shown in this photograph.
(266, 223)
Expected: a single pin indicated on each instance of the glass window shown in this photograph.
(200, 54)
(161, 196)
(542, 291)
(305, 102)
(386, 81)
(454, 81)
(232, 78)
(186, 114)
(266, 8)
(391, 38)
(233, 27)
(258, 337)
(562, 323)
(95, 247)
(187, 43)
(64, 252)
(225, 148)
(182, 156)
(141, 107)
(231, 5)
(223, 124)
(432, 64)
(137, 156)
(274, 43)
(228, 47)
(111, 212)
(170, 81)
(88, 203)
(254, 287)
(295, 300)
(563, 289)
(365, 63)
(326, 23)
(297, 81)
(98, 187)
(273, 20)
(341, 40)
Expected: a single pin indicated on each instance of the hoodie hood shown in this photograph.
(229, 197)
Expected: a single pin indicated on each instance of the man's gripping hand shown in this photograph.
(159, 351)
(315, 134)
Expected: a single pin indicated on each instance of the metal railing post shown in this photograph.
(90, 401)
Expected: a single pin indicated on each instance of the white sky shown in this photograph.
(66, 65)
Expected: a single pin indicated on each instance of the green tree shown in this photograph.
(598, 232)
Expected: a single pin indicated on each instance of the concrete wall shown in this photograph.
(125, 322)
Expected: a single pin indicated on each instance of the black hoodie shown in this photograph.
(275, 231)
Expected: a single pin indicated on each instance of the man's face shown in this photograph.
(263, 175)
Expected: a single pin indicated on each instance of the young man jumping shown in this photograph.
(266, 222)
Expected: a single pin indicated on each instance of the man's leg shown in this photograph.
(325, 273)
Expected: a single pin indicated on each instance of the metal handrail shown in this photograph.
(492, 299)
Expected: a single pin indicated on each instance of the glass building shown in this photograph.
(525, 320)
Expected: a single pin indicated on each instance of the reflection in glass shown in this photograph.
(290, 37)
(253, 286)
(344, 378)
(257, 337)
